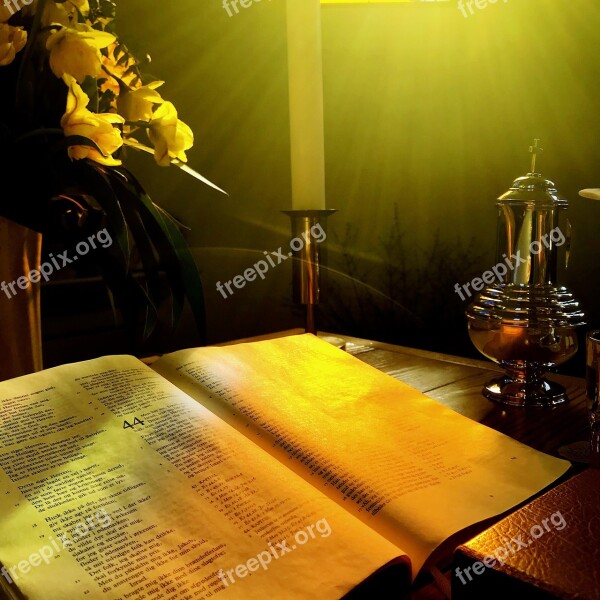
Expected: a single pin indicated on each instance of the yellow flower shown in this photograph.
(65, 13)
(169, 136)
(78, 120)
(77, 51)
(121, 70)
(83, 6)
(138, 105)
(12, 40)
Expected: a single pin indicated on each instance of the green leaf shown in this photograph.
(166, 252)
(133, 143)
(90, 87)
(182, 272)
(106, 100)
(123, 60)
(189, 270)
(197, 175)
(93, 177)
(76, 140)
(145, 246)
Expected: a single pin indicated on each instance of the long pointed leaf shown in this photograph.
(185, 263)
(197, 175)
(163, 245)
(75, 140)
(94, 177)
(189, 270)
(133, 143)
(128, 200)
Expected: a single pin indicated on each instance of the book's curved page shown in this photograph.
(114, 484)
(409, 467)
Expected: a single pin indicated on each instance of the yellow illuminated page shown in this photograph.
(115, 484)
(412, 469)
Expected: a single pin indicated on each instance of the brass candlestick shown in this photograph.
(309, 257)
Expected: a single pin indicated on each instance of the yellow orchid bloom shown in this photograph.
(12, 40)
(121, 71)
(99, 128)
(64, 13)
(138, 105)
(76, 51)
(169, 136)
(83, 6)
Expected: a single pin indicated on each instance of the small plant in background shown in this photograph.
(404, 295)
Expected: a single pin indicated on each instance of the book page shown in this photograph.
(411, 468)
(115, 484)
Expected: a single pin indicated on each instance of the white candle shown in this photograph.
(305, 68)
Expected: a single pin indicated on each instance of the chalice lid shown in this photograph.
(533, 187)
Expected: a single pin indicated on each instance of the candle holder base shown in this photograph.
(309, 258)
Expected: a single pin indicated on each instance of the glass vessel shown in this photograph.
(524, 320)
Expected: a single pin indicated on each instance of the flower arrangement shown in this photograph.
(73, 99)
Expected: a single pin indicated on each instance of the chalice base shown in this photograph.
(515, 392)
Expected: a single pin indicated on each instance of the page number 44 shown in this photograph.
(136, 421)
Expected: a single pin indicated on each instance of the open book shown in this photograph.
(280, 469)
